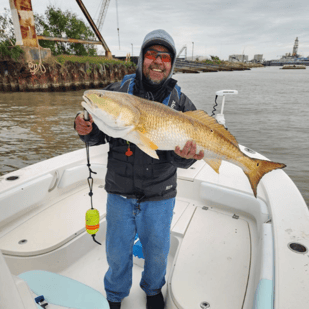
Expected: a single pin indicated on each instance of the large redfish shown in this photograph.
(151, 126)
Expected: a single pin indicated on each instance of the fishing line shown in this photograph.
(89, 179)
(92, 215)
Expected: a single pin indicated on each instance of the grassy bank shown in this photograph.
(61, 73)
(62, 59)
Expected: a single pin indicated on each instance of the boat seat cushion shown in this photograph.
(63, 291)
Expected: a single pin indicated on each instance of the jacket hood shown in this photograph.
(156, 37)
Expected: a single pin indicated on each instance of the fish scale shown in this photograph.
(154, 126)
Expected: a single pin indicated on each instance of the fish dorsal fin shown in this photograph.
(212, 123)
(198, 114)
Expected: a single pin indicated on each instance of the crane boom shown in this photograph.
(182, 49)
(102, 14)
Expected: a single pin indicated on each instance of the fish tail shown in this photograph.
(258, 168)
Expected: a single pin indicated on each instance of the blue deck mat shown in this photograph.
(63, 291)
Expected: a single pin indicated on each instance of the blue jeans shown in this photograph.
(152, 221)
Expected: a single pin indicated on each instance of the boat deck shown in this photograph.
(201, 255)
(228, 248)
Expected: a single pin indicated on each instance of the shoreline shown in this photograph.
(71, 73)
(61, 73)
(184, 66)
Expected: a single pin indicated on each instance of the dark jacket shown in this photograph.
(139, 175)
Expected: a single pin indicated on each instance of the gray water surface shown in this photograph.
(269, 115)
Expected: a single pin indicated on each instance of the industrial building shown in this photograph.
(238, 58)
(258, 58)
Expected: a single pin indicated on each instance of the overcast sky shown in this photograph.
(216, 27)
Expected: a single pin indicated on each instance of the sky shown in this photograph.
(206, 27)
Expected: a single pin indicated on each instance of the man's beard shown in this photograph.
(151, 82)
(155, 67)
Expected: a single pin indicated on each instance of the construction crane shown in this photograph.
(102, 14)
(182, 49)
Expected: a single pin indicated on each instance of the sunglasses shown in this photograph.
(152, 54)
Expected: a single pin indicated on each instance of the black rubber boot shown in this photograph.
(155, 302)
(114, 305)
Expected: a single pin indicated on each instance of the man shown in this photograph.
(141, 190)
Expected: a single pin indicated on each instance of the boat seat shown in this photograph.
(63, 291)
(62, 221)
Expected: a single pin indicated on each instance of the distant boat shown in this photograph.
(293, 66)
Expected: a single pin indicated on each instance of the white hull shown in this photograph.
(228, 248)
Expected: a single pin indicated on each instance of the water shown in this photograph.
(36, 126)
(269, 115)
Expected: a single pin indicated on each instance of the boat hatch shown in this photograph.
(214, 258)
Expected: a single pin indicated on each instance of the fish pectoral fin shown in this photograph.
(146, 141)
(152, 153)
(146, 145)
(214, 164)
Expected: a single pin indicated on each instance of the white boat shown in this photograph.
(228, 248)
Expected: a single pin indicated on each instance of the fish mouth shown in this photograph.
(105, 124)
(88, 101)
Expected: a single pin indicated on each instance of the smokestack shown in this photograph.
(295, 48)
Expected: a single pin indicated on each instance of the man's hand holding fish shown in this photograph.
(189, 151)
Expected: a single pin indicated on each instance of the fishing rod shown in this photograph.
(92, 214)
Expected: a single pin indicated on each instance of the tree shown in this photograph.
(214, 58)
(7, 37)
(6, 27)
(57, 23)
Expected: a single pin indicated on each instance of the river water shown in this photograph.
(269, 115)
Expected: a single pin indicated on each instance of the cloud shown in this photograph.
(216, 27)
